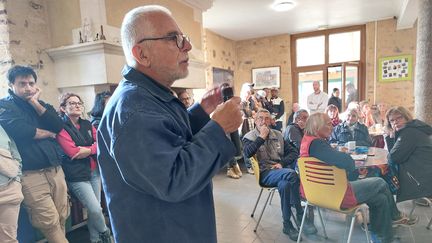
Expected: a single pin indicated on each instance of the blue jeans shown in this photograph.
(287, 182)
(376, 194)
(88, 192)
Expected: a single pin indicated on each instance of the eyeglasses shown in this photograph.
(179, 38)
(396, 119)
(72, 103)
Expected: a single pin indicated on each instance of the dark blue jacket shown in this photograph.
(20, 120)
(157, 161)
(341, 134)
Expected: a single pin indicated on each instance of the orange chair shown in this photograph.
(324, 186)
(271, 191)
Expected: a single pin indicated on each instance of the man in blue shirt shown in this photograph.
(157, 159)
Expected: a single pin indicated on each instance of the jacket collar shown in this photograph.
(19, 101)
(156, 89)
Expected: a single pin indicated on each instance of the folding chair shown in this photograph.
(271, 191)
(324, 186)
(414, 206)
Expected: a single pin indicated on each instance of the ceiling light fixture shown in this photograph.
(283, 5)
(323, 27)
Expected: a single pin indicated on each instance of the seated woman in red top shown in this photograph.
(372, 191)
(333, 112)
(78, 140)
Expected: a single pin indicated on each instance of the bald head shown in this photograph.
(137, 24)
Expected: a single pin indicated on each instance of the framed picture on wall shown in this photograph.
(395, 68)
(266, 77)
(221, 76)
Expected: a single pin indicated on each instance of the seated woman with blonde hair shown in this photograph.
(372, 191)
(410, 144)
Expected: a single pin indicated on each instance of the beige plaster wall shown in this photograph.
(220, 52)
(63, 17)
(389, 42)
(183, 14)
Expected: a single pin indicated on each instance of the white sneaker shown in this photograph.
(250, 171)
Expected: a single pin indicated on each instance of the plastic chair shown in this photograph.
(429, 201)
(324, 186)
(271, 191)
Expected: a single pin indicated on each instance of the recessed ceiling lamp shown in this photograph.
(283, 5)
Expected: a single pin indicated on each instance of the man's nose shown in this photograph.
(187, 46)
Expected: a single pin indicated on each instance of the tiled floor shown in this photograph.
(235, 199)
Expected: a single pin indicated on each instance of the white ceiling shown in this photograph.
(246, 19)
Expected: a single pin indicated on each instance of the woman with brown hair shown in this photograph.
(410, 144)
(333, 112)
(78, 141)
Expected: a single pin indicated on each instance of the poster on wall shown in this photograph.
(267, 77)
(396, 68)
(221, 76)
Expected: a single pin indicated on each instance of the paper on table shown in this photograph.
(359, 156)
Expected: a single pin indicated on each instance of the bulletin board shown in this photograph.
(395, 68)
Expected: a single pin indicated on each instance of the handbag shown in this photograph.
(390, 176)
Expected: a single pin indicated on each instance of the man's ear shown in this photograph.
(141, 55)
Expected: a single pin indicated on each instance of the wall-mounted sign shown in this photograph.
(396, 68)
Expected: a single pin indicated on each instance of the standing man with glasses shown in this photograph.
(33, 125)
(157, 159)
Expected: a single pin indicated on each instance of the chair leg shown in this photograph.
(430, 221)
(412, 209)
(351, 228)
(363, 213)
(295, 219)
(322, 223)
(262, 212)
(302, 222)
(256, 204)
(271, 197)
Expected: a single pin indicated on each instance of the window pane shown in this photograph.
(335, 80)
(344, 47)
(351, 84)
(310, 51)
(305, 87)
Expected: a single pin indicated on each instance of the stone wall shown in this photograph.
(265, 52)
(275, 51)
(220, 52)
(29, 36)
(389, 42)
(5, 56)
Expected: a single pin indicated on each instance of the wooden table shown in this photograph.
(379, 158)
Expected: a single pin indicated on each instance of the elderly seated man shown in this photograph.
(372, 191)
(351, 130)
(274, 155)
(294, 131)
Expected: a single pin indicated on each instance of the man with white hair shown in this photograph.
(317, 101)
(157, 159)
